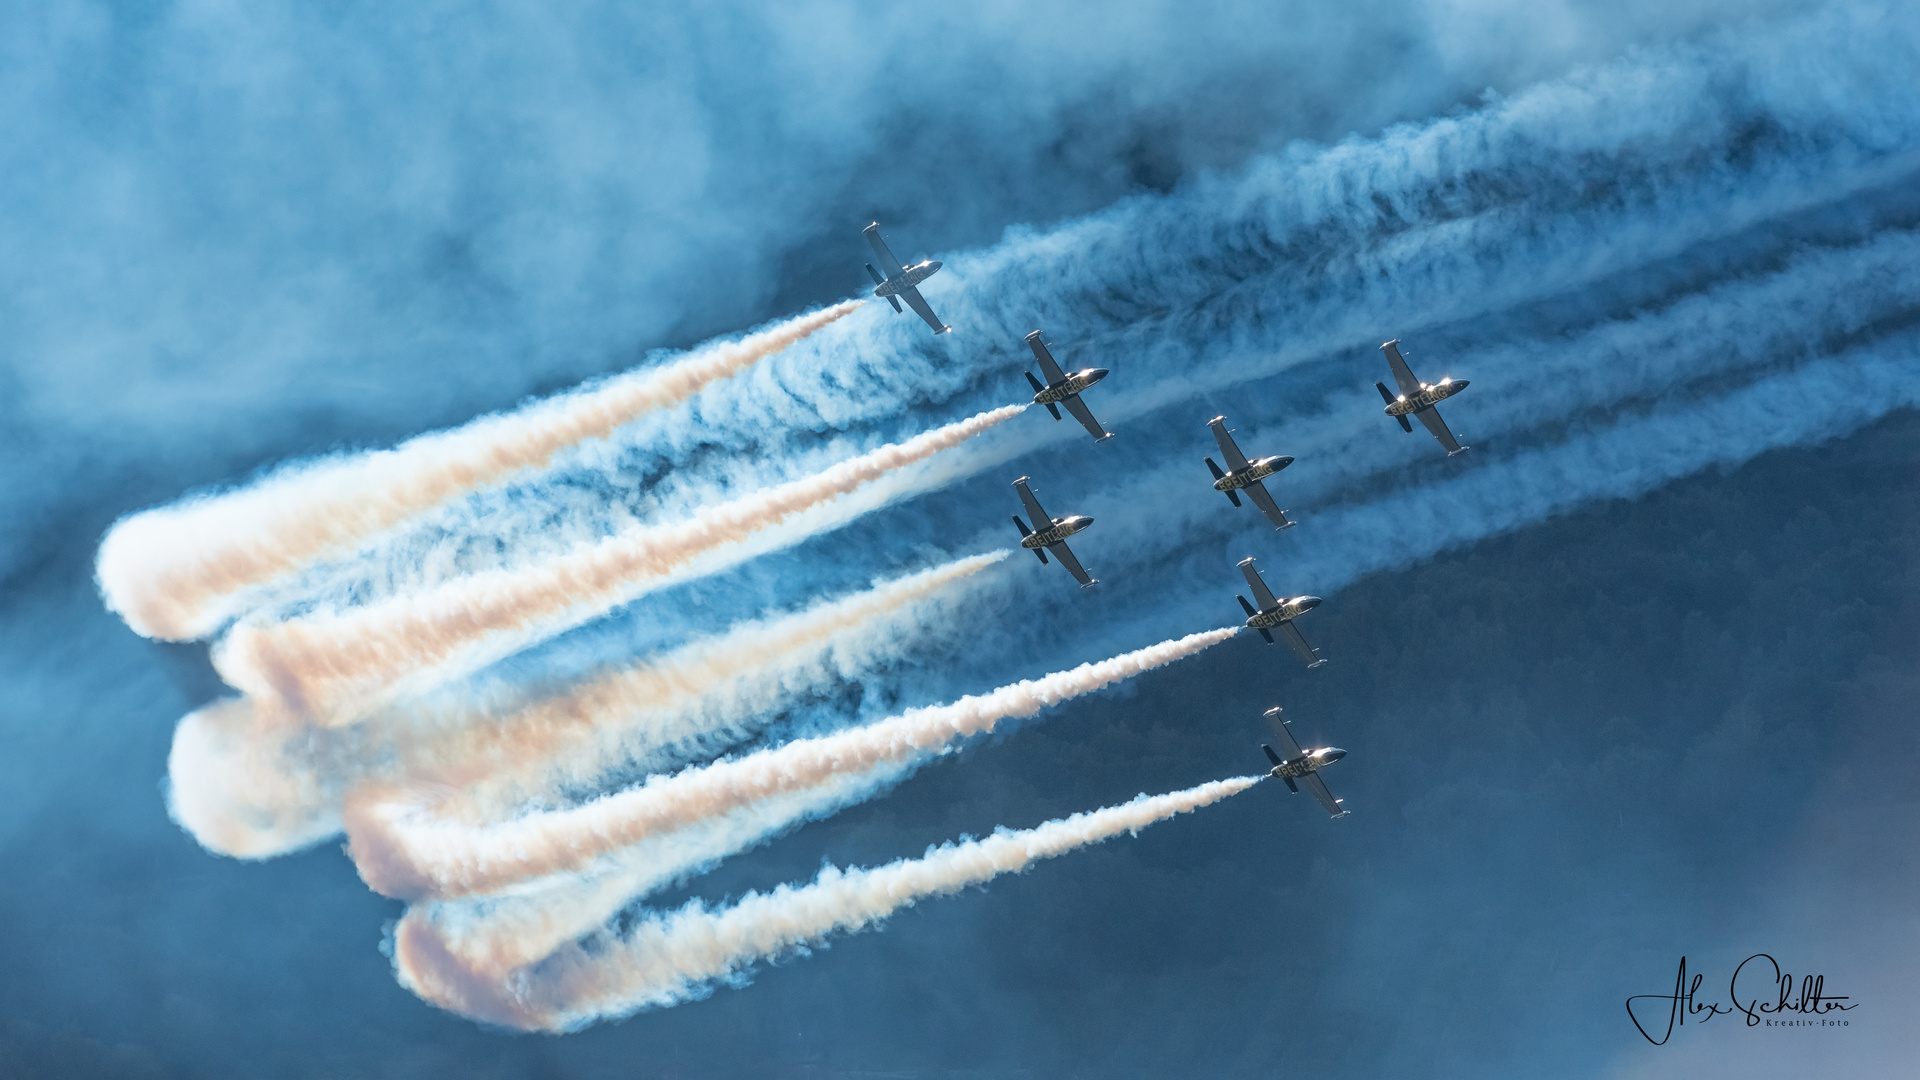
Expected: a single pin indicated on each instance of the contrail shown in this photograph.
(252, 787)
(673, 957)
(176, 572)
(333, 668)
(402, 851)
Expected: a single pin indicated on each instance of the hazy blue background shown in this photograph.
(232, 235)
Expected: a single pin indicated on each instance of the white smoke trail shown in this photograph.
(629, 717)
(1819, 302)
(670, 958)
(493, 935)
(333, 668)
(177, 572)
(1320, 251)
(251, 787)
(401, 850)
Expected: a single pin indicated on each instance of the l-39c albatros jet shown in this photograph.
(1064, 388)
(1051, 534)
(1246, 475)
(901, 279)
(1278, 614)
(1302, 765)
(1418, 398)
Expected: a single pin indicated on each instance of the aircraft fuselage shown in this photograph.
(1312, 762)
(1255, 472)
(1069, 386)
(906, 278)
(1058, 531)
(1430, 394)
(1287, 610)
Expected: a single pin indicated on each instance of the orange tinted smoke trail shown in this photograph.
(331, 668)
(176, 572)
(403, 850)
(670, 957)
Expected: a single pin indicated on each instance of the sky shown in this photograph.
(1630, 681)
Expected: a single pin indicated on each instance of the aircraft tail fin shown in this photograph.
(1386, 395)
(1038, 390)
(1026, 532)
(1232, 496)
(878, 280)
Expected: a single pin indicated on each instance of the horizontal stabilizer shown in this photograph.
(1042, 554)
(1266, 633)
(1271, 756)
(1022, 526)
(1406, 425)
(1243, 600)
(1232, 496)
(1386, 395)
(1291, 786)
(1038, 390)
(877, 279)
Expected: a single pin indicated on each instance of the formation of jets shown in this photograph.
(1296, 766)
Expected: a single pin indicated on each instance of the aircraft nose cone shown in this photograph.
(1308, 603)
(932, 265)
(1096, 375)
(1462, 383)
(1334, 753)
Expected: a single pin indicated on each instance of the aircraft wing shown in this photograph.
(1260, 591)
(1283, 735)
(1048, 368)
(919, 305)
(889, 265)
(1065, 554)
(1257, 491)
(1430, 416)
(1085, 415)
(1040, 519)
(1402, 374)
(1299, 642)
(1228, 449)
(1312, 782)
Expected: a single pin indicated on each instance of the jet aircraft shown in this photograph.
(1302, 765)
(901, 280)
(1418, 399)
(1243, 474)
(1051, 534)
(1064, 389)
(1278, 614)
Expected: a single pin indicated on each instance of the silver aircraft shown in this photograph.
(1051, 534)
(1064, 389)
(901, 279)
(1244, 475)
(1302, 765)
(1418, 399)
(1277, 614)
